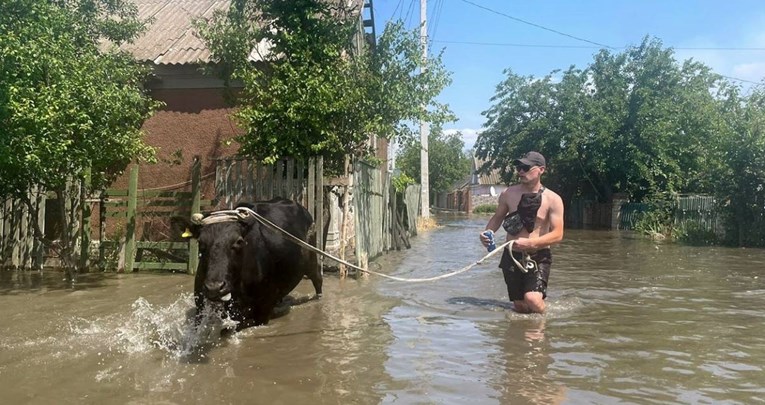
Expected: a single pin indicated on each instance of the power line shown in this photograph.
(682, 48)
(437, 13)
(409, 13)
(741, 80)
(587, 47)
(537, 25)
(395, 10)
(518, 45)
(435, 18)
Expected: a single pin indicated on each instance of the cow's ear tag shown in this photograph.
(186, 234)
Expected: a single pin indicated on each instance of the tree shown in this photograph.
(641, 123)
(66, 107)
(635, 122)
(316, 92)
(520, 120)
(447, 162)
(739, 174)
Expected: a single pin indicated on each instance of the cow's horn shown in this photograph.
(197, 218)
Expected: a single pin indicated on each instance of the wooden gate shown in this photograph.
(238, 179)
(142, 212)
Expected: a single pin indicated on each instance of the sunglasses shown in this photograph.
(523, 168)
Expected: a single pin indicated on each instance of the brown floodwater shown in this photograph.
(629, 321)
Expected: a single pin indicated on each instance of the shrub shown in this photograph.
(693, 233)
(485, 209)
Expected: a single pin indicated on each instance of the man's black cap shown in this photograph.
(531, 158)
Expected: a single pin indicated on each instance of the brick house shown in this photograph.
(196, 120)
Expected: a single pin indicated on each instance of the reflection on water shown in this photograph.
(628, 320)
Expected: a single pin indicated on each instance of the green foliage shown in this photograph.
(656, 222)
(635, 122)
(739, 174)
(447, 164)
(692, 233)
(485, 209)
(316, 92)
(401, 182)
(641, 123)
(65, 106)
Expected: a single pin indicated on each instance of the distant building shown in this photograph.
(475, 190)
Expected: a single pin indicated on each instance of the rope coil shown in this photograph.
(242, 213)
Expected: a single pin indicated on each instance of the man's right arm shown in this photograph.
(496, 220)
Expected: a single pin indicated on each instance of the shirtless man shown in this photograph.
(533, 229)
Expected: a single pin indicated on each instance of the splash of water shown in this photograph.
(174, 329)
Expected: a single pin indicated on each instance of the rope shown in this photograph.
(185, 183)
(243, 212)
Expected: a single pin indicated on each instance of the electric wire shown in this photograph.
(537, 25)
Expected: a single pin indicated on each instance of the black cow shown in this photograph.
(251, 267)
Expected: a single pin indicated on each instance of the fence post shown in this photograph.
(2, 234)
(26, 238)
(617, 200)
(320, 209)
(86, 212)
(39, 248)
(6, 256)
(131, 220)
(311, 187)
(16, 231)
(102, 230)
(195, 207)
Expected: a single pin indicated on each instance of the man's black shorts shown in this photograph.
(518, 282)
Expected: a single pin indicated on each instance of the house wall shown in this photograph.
(194, 122)
(477, 200)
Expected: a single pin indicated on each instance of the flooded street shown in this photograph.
(629, 321)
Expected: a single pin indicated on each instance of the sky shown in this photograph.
(482, 38)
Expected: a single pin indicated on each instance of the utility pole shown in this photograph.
(424, 128)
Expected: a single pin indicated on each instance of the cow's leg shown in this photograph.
(311, 262)
(283, 308)
(314, 273)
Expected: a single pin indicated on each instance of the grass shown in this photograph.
(426, 224)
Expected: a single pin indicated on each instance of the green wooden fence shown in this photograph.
(138, 211)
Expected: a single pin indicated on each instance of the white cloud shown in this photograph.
(469, 135)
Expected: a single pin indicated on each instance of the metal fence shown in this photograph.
(698, 210)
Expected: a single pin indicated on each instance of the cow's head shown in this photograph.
(220, 256)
